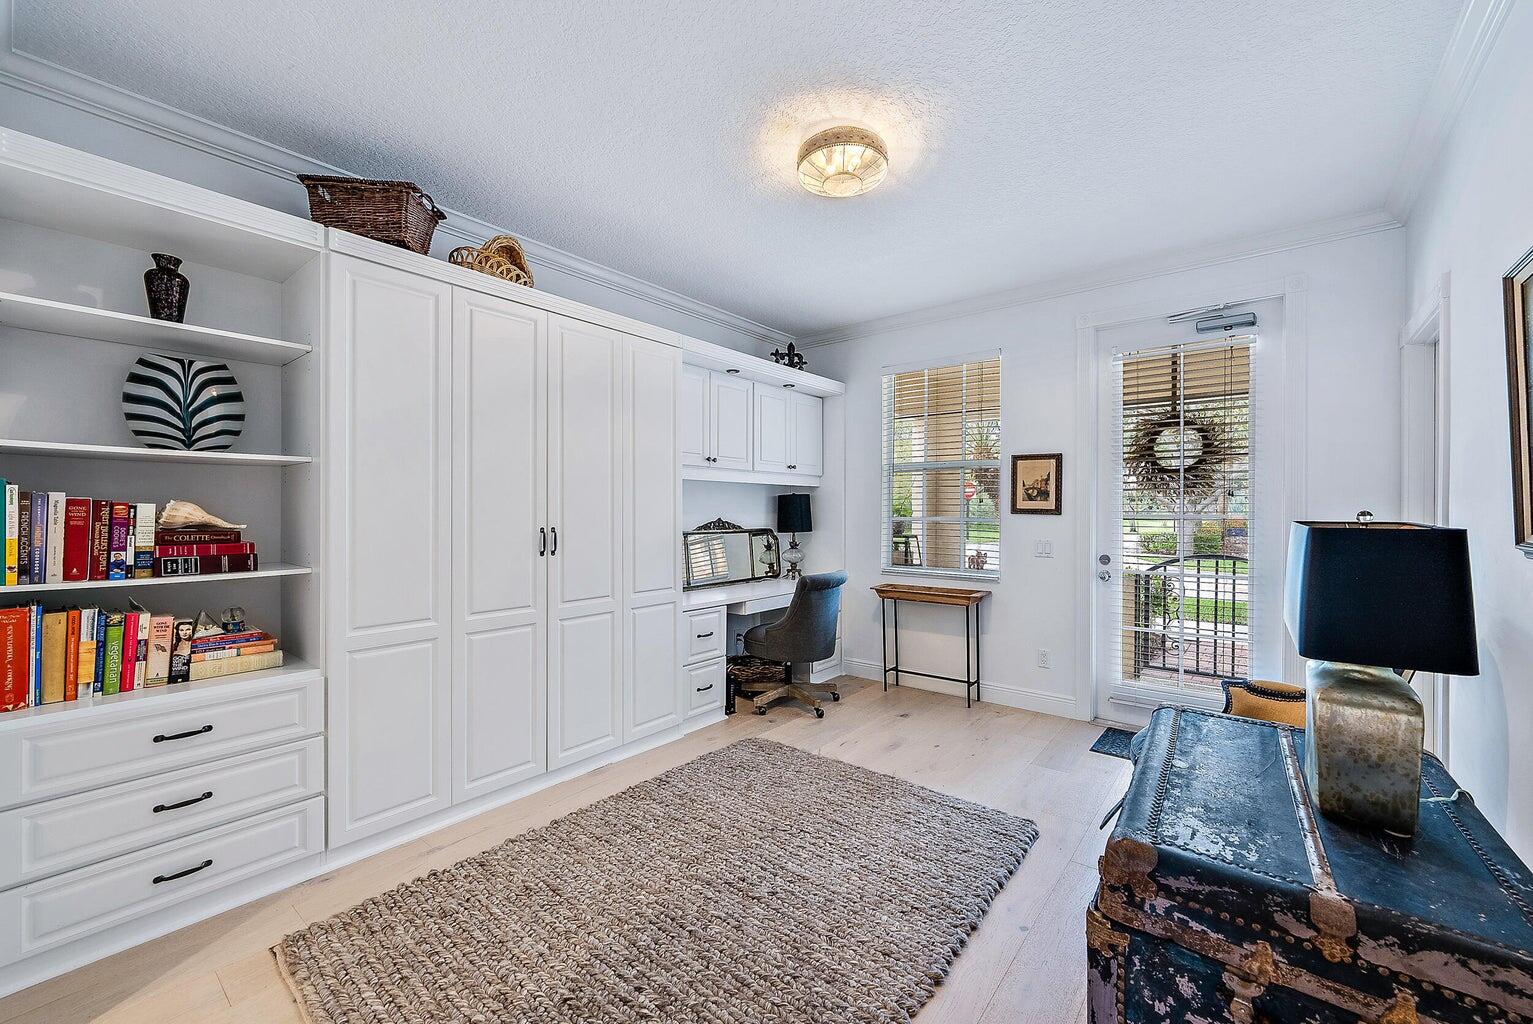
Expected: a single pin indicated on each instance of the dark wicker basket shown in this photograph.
(396, 212)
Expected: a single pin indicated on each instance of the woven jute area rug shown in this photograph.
(758, 883)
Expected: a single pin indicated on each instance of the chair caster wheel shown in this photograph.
(819, 712)
(761, 711)
(834, 696)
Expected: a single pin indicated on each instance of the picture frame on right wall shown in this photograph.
(1035, 484)
(1517, 287)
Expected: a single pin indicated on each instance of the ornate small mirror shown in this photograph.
(720, 552)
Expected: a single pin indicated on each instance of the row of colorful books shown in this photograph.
(51, 537)
(48, 657)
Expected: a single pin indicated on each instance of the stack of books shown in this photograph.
(51, 537)
(49, 657)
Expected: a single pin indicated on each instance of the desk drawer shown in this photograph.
(705, 687)
(705, 634)
(87, 749)
(43, 839)
(60, 909)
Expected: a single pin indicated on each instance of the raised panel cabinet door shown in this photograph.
(807, 434)
(388, 543)
(585, 564)
(652, 528)
(500, 543)
(730, 418)
(694, 416)
(772, 453)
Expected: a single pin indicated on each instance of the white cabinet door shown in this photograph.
(694, 416)
(652, 516)
(730, 414)
(390, 394)
(500, 623)
(772, 430)
(585, 566)
(807, 432)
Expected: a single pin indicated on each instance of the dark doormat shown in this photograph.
(1113, 743)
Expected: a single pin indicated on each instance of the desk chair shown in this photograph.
(805, 633)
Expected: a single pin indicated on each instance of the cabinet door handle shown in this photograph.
(704, 636)
(161, 738)
(542, 541)
(158, 808)
(182, 874)
(705, 689)
(554, 531)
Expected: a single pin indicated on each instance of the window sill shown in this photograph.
(942, 574)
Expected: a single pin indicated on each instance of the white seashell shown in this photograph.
(178, 514)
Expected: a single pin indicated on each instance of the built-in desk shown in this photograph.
(707, 611)
(742, 598)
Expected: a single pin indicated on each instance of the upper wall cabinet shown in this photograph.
(748, 420)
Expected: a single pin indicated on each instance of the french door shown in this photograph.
(1180, 573)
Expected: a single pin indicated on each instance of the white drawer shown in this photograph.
(705, 687)
(72, 750)
(65, 907)
(43, 839)
(705, 634)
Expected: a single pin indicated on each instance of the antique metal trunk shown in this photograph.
(1224, 896)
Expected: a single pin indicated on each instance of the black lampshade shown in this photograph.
(793, 514)
(1395, 595)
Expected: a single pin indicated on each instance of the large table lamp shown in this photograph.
(794, 518)
(1365, 602)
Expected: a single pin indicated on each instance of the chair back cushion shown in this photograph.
(807, 632)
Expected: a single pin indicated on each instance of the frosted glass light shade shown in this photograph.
(842, 162)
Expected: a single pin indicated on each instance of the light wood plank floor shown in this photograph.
(1026, 962)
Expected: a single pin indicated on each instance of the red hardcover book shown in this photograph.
(100, 538)
(77, 528)
(15, 657)
(129, 652)
(201, 550)
(72, 653)
(212, 565)
(194, 535)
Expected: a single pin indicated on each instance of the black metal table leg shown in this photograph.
(968, 672)
(896, 604)
(883, 640)
(977, 634)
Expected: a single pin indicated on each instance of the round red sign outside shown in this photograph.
(969, 490)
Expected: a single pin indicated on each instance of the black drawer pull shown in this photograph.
(704, 636)
(161, 738)
(705, 689)
(184, 803)
(182, 874)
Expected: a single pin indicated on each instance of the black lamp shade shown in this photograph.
(793, 514)
(1395, 595)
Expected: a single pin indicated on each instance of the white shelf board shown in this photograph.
(97, 705)
(123, 453)
(270, 572)
(33, 314)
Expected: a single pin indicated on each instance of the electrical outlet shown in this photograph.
(1045, 659)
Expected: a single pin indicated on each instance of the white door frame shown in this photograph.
(1428, 328)
(1082, 493)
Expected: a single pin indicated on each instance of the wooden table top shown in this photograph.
(929, 595)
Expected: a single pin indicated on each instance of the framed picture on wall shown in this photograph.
(1035, 484)
(1517, 287)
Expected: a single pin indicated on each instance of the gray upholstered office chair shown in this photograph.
(806, 633)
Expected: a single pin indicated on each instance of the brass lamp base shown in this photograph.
(1362, 751)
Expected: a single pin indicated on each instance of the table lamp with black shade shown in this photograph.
(794, 518)
(1365, 602)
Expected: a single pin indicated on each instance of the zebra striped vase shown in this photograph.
(186, 404)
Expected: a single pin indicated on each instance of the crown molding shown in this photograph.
(48, 80)
(1474, 36)
(1117, 274)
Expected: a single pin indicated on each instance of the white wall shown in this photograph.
(157, 139)
(1474, 219)
(1351, 447)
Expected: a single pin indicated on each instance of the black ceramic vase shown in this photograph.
(167, 288)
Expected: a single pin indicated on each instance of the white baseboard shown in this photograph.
(1005, 694)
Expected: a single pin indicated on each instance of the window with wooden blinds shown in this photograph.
(1185, 508)
(942, 469)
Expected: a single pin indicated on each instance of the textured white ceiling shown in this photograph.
(1027, 140)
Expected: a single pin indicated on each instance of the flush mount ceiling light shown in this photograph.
(842, 162)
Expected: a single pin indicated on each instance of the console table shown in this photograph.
(889, 597)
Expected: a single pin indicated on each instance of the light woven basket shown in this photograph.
(500, 257)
